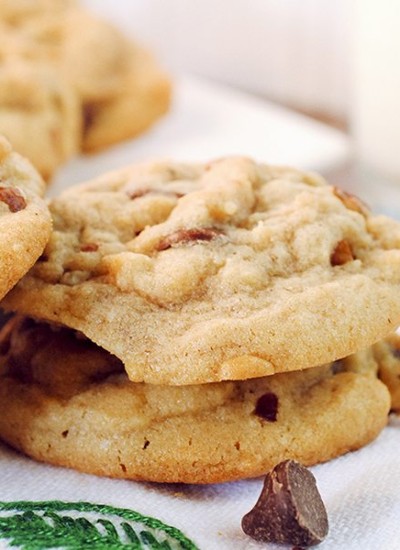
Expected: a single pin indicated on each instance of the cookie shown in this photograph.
(142, 98)
(39, 114)
(65, 401)
(230, 270)
(120, 85)
(89, 52)
(121, 88)
(387, 355)
(16, 12)
(13, 46)
(25, 222)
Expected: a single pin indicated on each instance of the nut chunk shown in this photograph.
(289, 509)
(342, 253)
(184, 236)
(13, 198)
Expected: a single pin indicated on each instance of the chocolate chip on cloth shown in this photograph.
(25, 222)
(289, 510)
(193, 273)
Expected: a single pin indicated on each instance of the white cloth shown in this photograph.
(361, 492)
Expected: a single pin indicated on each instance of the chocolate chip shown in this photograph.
(395, 352)
(351, 201)
(13, 199)
(90, 112)
(89, 247)
(183, 236)
(342, 253)
(337, 366)
(289, 510)
(43, 258)
(267, 407)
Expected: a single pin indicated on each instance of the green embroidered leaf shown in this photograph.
(84, 526)
(130, 533)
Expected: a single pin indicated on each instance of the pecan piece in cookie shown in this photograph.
(141, 192)
(12, 198)
(350, 201)
(342, 253)
(183, 236)
(89, 247)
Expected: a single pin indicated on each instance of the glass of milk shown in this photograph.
(375, 102)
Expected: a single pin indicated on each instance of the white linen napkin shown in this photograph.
(361, 492)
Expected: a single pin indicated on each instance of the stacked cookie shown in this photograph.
(71, 82)
(25, 221)
(387, 355)
(201, 323)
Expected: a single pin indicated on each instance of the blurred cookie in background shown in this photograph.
(143, 97)
(39, 114)
(94, 74)
(16, 12)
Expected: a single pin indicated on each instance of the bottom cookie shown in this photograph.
(387, 355)
(65, 401)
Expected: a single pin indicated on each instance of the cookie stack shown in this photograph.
(71, 82)
(201, 323)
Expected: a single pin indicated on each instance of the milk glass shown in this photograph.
(375, 101)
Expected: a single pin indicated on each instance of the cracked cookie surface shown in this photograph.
(65, 401)
(25, 222)
(230, 270)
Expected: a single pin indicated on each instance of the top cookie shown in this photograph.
(25, 222)
(230, 270)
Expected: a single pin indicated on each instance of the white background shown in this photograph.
(294, 51)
